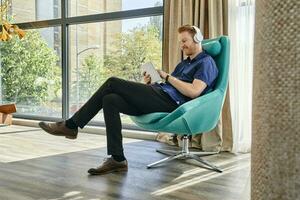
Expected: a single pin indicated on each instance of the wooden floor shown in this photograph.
(34, 165)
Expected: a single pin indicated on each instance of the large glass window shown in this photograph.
(31, 72)
(61, 62)
(83, 7)
(35, 10)
(116, 48)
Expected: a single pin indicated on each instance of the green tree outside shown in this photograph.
(131, 49)
(28, 70)
(91, 76)
(138, 46)
(30, 75)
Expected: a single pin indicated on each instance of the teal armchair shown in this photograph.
(196, 116)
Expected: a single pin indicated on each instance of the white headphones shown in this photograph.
(198, 37)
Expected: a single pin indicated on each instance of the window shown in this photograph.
(116, 48)
(31, 73)
(34, 10)
(83, 7)
(96, 40)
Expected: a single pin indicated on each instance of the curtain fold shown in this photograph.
(211, 17)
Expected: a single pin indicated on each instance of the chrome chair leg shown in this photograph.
(203, 153)
(185, 153)
(168, 152)
(213, 167)
(165, 160)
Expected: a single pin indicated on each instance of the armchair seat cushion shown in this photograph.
(150, 118)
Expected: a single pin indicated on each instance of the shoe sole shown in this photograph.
(71, 137)
(110, 171)
(45, 128)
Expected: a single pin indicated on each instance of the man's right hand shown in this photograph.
(147, 78)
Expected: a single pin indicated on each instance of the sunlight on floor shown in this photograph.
(192, 178)
(73, 195)
(35, 143)
(195, 171)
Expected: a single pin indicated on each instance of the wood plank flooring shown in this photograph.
(21, 143)
(34, 165)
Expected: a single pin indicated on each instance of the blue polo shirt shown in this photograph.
(202, 67)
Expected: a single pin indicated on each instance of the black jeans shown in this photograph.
(117, 96)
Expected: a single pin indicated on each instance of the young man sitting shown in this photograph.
(194, 76)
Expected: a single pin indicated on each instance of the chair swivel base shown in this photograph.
(185, 153)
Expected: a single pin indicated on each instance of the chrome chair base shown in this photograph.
(185, 153)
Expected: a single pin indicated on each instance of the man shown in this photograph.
(194, 76)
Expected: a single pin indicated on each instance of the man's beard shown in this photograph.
(187, 52)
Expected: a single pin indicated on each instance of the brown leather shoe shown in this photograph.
(109, 165)
(59, 129)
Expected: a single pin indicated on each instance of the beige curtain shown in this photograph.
(275, 154)
(211, 17)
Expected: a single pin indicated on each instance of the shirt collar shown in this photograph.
(198, 57)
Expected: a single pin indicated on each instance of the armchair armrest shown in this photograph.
(208, 108)
(202, 101)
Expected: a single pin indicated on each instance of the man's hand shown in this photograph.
(191, 90)
(147, 78)
(162, 74)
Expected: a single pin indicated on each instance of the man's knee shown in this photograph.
(113, 79)
(116, 84)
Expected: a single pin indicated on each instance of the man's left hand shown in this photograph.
(162, 74)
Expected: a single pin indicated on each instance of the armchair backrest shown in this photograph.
(219, 48)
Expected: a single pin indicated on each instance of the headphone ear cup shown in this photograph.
(196, 39)
(198, 36)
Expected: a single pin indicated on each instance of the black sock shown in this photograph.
(119, 158)
(71, 124)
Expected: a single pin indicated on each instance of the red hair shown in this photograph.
(187, 28)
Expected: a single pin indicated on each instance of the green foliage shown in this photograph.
(30, 74)
(29, 69)
(131, 49)
(89, 77)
